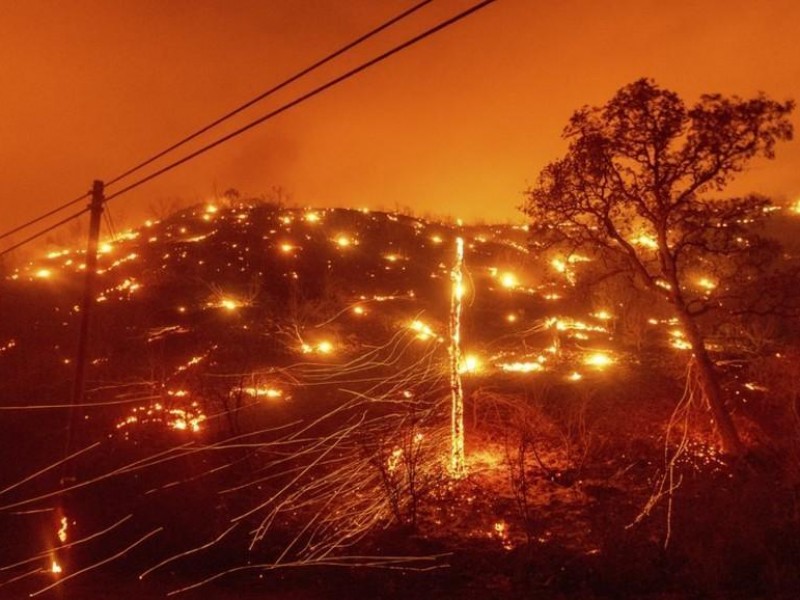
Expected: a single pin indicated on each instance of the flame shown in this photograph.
(62, 530)
(229, 304)
(646, 241)
(179, 419)
(678, 340)
(186, 420)
(598, 359)
(423, 330)
(509, 280)
(706, 283)
(343, 241)
(521, 367)
(259, 392)
(322, 347)
(471, 364)
(559, 265)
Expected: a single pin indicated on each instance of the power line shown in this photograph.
(442, 25)
(319, 63)
(316, 91)
(43, 231)
(44, 216)
(272, 90)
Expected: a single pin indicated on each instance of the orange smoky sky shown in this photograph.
(460, 124)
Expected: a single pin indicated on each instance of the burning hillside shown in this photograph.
(273, 387)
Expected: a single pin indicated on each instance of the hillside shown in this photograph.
(268, 388)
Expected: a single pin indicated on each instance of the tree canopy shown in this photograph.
(639, 185)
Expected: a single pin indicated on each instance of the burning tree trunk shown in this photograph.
(458, 466)
(708, 379)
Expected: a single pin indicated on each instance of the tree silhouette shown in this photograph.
(637, 187)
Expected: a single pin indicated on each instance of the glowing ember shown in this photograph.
(501, 533)
(43, 273)
(574, 376)
(311, 217)
(511, 318)
(754, 387)
(393, 462)
(359, 310)
(55, 568)
(286, 248)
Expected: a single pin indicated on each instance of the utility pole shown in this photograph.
(78, 383)
(458, 465)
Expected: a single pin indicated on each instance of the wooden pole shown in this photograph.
(458, 466)
(79, 381)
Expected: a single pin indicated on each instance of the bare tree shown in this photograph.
(637, 186)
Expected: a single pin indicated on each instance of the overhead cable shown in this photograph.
(307, 96)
